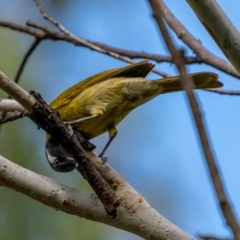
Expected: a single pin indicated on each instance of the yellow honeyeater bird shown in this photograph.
(99, 103)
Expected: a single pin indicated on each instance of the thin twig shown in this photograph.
(13, 116)
(158, 9)
(26, 57)
(52, 20)
(223, 92)
(25, 29)
(19, 72)
(83, 41)
(151, 56)
(209, 237)
(51, 34)
(54, 35)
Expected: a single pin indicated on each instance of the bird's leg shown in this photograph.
(77, 121)
(82, 119)
(111, 129)
(105, 148)
(112, 134)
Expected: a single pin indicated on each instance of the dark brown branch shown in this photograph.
(43, 116)
(85, 43)
(178, 59)
(209, 237)
(41, 31)
(25, 58)
(51, 34)
(67, 36)
(201, 52)
(13, 116)
(16, 79)
(48, 120)
(24, 29)
(151, 56)
(224, 92)
(50, 31)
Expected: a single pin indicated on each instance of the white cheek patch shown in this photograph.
(50, 158)
(71, 159)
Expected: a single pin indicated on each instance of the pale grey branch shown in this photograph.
(10, 105)
(220, 27)
(134, 215)
(16, 92)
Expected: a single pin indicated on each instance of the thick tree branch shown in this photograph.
(148, 223)
(10, 105)
(16, 92)
(220, 27)
(202, 53)
(158, 10)
(44, 117)
(135, 214)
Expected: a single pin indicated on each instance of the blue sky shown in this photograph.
(157, 149)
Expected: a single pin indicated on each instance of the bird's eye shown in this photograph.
(56, 162)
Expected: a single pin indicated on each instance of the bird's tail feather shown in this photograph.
(202, 80)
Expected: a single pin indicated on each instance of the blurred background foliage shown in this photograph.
(157, 148)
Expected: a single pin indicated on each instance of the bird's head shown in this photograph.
(58, 159)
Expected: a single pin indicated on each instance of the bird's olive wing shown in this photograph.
(140, 69)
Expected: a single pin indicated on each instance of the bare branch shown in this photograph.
(75, 145)
(25, 29)
(10, 105)
(44, 117)
(25, 58)
(158, 10)
(135, 214)
(220, 27)
(16, 80)
(82, 41)
(16, 92)
(202, 53)
(52, 20)
(152, 225)
(224, 92)
(49, 33)
(13, 116)
(209, 237)
(151, 56)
